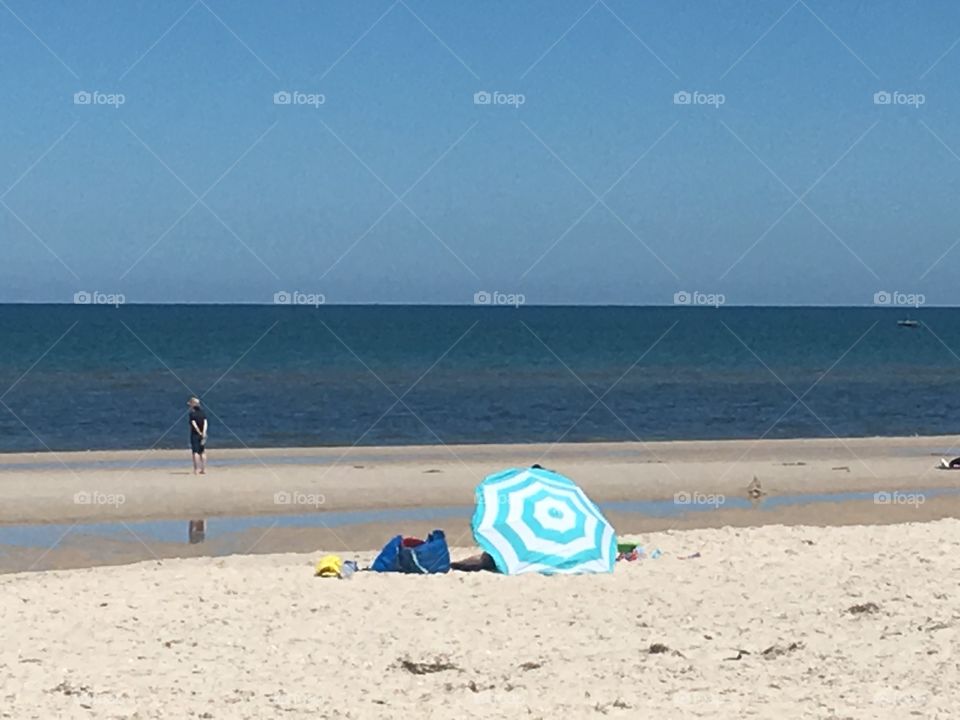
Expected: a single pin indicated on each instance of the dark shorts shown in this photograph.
(196, 444)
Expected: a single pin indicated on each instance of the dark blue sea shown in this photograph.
(99, 377)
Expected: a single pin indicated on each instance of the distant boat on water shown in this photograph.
(908, 323)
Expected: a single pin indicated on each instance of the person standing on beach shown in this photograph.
(198, 436)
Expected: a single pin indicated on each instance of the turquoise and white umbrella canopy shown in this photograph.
(535, 520)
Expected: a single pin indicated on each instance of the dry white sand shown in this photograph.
(758, 626)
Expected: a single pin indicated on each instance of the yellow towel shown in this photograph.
(329, 566)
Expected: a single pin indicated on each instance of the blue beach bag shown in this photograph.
(424, 558)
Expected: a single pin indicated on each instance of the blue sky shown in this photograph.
(99, 197)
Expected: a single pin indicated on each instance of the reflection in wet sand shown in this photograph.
(52, 547)
(197, 531)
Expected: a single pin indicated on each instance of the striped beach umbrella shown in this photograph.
(536, 520)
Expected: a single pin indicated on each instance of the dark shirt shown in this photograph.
(196, 416)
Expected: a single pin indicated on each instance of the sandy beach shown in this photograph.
(126, 485)
(800, 622)
(638, 314)
(337, 496)
(820, 609)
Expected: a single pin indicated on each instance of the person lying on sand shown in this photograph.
(475, 563)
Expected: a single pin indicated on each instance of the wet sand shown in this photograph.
(112, 486)
(317, 485)
(80, 548)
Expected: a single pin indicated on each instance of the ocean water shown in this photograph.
(97, 377)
